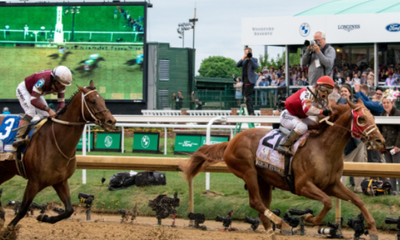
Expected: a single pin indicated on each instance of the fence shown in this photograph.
(45, 36)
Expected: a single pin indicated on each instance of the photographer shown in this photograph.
(248, 64)
(319, 58)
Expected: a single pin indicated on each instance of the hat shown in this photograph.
(5, 109)
(263, 78)
(265, 70)
(391, 94)
(390, 73)
(326, 80)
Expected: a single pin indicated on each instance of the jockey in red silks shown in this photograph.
(302, 104)
(30, 95)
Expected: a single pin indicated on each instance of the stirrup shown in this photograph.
(20, 142)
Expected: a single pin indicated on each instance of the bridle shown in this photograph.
(93, 115)
(357, 130)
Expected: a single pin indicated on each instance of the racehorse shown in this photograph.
(57, 55)
(317, 167)
(92, 66)
(50, 156)
(133, 62)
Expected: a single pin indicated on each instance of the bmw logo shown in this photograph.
(304, 29)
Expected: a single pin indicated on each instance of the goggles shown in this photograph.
(324, 88)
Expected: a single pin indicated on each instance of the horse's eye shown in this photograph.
(361, 120)
(93, 101)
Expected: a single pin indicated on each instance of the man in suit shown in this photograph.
(248, 64)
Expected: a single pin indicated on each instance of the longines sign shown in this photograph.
(349, 27)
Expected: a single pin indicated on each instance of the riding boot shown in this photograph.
(20, 138)
(288, 141)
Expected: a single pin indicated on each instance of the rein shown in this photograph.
(364, 134)
(96, 121)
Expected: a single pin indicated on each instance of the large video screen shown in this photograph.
(100, 43)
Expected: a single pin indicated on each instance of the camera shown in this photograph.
(358, 226)
(254, 222)
(249, 55)
(396, 221)
(310, 43)
(198, 219)
(86, 198)
(330, 231)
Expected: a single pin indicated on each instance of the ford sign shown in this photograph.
(394, 27)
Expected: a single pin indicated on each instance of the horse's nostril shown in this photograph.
(378, 141)
(110, 122)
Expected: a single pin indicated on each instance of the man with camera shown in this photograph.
(319, 58)
(248, 64)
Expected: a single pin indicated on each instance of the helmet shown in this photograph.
(326, 80)
(63, 75)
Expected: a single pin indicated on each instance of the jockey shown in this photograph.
(90, 61)
(30, 95)
(302, 104)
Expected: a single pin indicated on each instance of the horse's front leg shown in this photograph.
(342, 192)
(30, 192)
(309, 190)
(62, 190)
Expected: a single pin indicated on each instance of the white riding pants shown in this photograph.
(24, 98)
(293, 123)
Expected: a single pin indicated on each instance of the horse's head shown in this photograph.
(94, 108)
(363, 126)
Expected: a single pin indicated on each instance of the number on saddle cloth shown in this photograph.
(273, 139)
(6, 134)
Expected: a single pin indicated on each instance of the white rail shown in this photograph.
(192, 112)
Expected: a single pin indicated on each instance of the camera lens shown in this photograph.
(249, 55)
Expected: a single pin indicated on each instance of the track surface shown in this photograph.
(105, 226)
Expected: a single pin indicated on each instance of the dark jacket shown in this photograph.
(251, 67)
(391, 132)
(353, 143)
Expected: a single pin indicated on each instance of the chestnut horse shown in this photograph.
(50, 156)
(317, 167)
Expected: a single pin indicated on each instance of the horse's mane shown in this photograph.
(337, 111)
(67, 102)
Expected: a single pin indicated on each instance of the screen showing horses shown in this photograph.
(104, 43)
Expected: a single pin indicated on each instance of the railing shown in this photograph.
(42, 35)
(192, 112)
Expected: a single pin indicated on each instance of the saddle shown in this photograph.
(269, 158)
(7, 134)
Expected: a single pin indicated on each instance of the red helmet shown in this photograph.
(326, 80)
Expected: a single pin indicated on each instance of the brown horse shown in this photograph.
(317, 167)
(50, 157)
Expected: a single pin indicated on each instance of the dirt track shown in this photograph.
(109, 227)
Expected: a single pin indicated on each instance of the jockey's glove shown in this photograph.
(326, 112)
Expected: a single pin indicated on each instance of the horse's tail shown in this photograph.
(204, 157)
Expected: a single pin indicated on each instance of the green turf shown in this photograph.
(90, 18)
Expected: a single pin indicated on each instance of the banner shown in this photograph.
(79, 147)
(108, 141)
(189, 143)
(146, 142)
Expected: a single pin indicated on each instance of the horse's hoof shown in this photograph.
(373, 237)
(42, 218)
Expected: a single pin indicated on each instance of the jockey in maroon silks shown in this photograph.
(30, 95)
(302, 104)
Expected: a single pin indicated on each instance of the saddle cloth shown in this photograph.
(7, 136)
(267, 155)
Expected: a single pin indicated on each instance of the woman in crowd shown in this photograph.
(391, 132)
(354, 151)
(238, 92)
